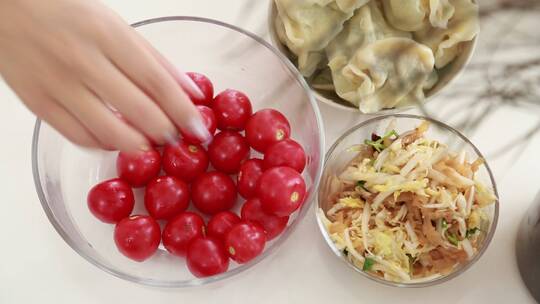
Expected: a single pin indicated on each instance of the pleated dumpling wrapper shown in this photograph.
(358, 79)
(386, 73)
(413, 15)
(446, 43)
(307, 26)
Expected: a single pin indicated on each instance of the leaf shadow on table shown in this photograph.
(504, 74)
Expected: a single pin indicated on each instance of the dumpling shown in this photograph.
(367, 25)
(387, 73)
(307, 62)
(346, 5)
(408, 15)
(307, 26)
(432, 80)
(413, 15)
(323, 80)
(440, 12)
(446, 43)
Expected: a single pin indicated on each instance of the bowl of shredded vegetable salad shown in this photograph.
(407, 201)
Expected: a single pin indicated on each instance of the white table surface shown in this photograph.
(36, 266)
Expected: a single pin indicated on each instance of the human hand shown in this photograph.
(75, 62)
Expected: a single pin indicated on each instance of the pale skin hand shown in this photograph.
(70, 61)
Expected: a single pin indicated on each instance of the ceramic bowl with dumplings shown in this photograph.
(359, 75)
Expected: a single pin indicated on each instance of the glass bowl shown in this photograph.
(338, 157)
(232, 58)
(446, 74)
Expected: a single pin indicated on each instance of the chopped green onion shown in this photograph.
(391, 133)
(368, 264)
(412, 260)
(452, 238)
(472, 231)
(444, 224)
(378, 144)
(361, 184)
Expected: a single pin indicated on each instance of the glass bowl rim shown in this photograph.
(438, 280)
(230, 273)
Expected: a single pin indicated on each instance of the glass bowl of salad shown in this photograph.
(407, 201)
(232, 58)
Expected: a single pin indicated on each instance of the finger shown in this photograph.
(59, 77)
(140, 110)
(181, 78)
(104, 125)
(62, 121)
(146, 72)
(65, 123)
(71, 93)
(46, 108)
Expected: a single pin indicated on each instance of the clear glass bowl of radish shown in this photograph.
(159, 218)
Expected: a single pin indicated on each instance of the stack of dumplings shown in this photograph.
(375, 54)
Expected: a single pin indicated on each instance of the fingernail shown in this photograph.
(189, 85)
(171, 138)
(198, 129)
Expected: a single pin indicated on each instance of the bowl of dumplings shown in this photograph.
(376, 56)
